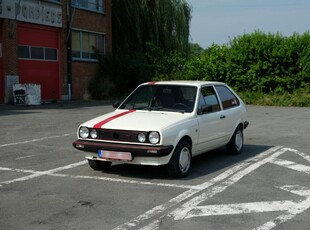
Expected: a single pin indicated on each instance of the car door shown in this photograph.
(210, 119)
(231, 110)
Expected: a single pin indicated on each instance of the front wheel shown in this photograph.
(180, 162)
(235, 144)
(99, 165)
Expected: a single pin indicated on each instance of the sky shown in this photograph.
(216, 21)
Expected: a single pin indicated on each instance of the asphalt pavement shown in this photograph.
(46, 184)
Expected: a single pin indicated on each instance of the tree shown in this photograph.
(164, 23)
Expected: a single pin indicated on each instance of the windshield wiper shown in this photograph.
(152, 108)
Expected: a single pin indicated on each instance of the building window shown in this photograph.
(50, 54)
(24, 52)
(92, 5)
(85, 45)
(37, 53)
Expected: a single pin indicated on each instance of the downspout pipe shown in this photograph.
(70, 16)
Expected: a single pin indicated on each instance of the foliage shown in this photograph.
(265, 69)
(150, 41)
(300, 97)
(268, 63)
(164, 23)
(165, 66)
(195, 49)
(118, 75)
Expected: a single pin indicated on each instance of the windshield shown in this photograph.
(176, 98)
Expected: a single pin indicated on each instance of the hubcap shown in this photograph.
(239, 140)
(185, 160)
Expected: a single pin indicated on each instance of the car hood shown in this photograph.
(136, 120)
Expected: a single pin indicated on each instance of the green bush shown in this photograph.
(269, 63)
(264, 68)
(300, 97)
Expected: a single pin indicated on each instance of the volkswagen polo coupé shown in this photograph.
(166, 123)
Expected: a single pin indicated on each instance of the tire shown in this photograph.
(99, 165)
(180, 162)
(235, 145)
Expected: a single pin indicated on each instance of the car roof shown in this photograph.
(189, 83)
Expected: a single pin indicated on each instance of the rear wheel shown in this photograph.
(235, 144)
(99, 165)
(180, 162)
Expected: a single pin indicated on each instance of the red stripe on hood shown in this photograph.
(101, 123)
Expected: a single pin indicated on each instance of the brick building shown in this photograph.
(51, 43)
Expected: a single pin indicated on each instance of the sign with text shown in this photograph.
(33, 11)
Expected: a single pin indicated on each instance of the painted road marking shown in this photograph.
(160, 209)
(192, 209)
(35, 174)
(200, 193)
(293, 211)
(292, 165)
(255, 207)
(182, 211)
(33, 140)
(24, 157)
(109, 179)
(54, 172)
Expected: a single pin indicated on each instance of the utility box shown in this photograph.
(27, 94)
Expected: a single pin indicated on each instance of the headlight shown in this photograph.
(154, 137)
(93, 134)
(83, 132)
(141, 137)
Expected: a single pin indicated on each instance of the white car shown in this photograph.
(166, 123)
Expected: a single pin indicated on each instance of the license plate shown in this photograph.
(113, 155)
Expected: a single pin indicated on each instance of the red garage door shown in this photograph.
(38, 53)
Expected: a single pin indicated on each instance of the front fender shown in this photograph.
(173, 135)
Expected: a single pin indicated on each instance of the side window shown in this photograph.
(228, 99)
(208, 101)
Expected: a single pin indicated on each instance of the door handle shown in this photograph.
(222, 116)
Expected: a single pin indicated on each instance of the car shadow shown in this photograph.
(219, 159)
(202, 165)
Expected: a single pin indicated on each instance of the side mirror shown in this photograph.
(206, 109)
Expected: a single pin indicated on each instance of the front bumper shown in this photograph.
(135, 150)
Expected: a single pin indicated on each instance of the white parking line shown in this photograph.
(24, 157)
(182, 211)
(289, 206)
(54, 173)
(208, 189)
(305, 156)
(192, 209)
(33, 140)
(292, 165)
(17, 170)
(139, 220)
(35, 174)
(295, 209)
(125, 181)
(240, 208)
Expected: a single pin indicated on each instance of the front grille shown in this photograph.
(118, 135)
